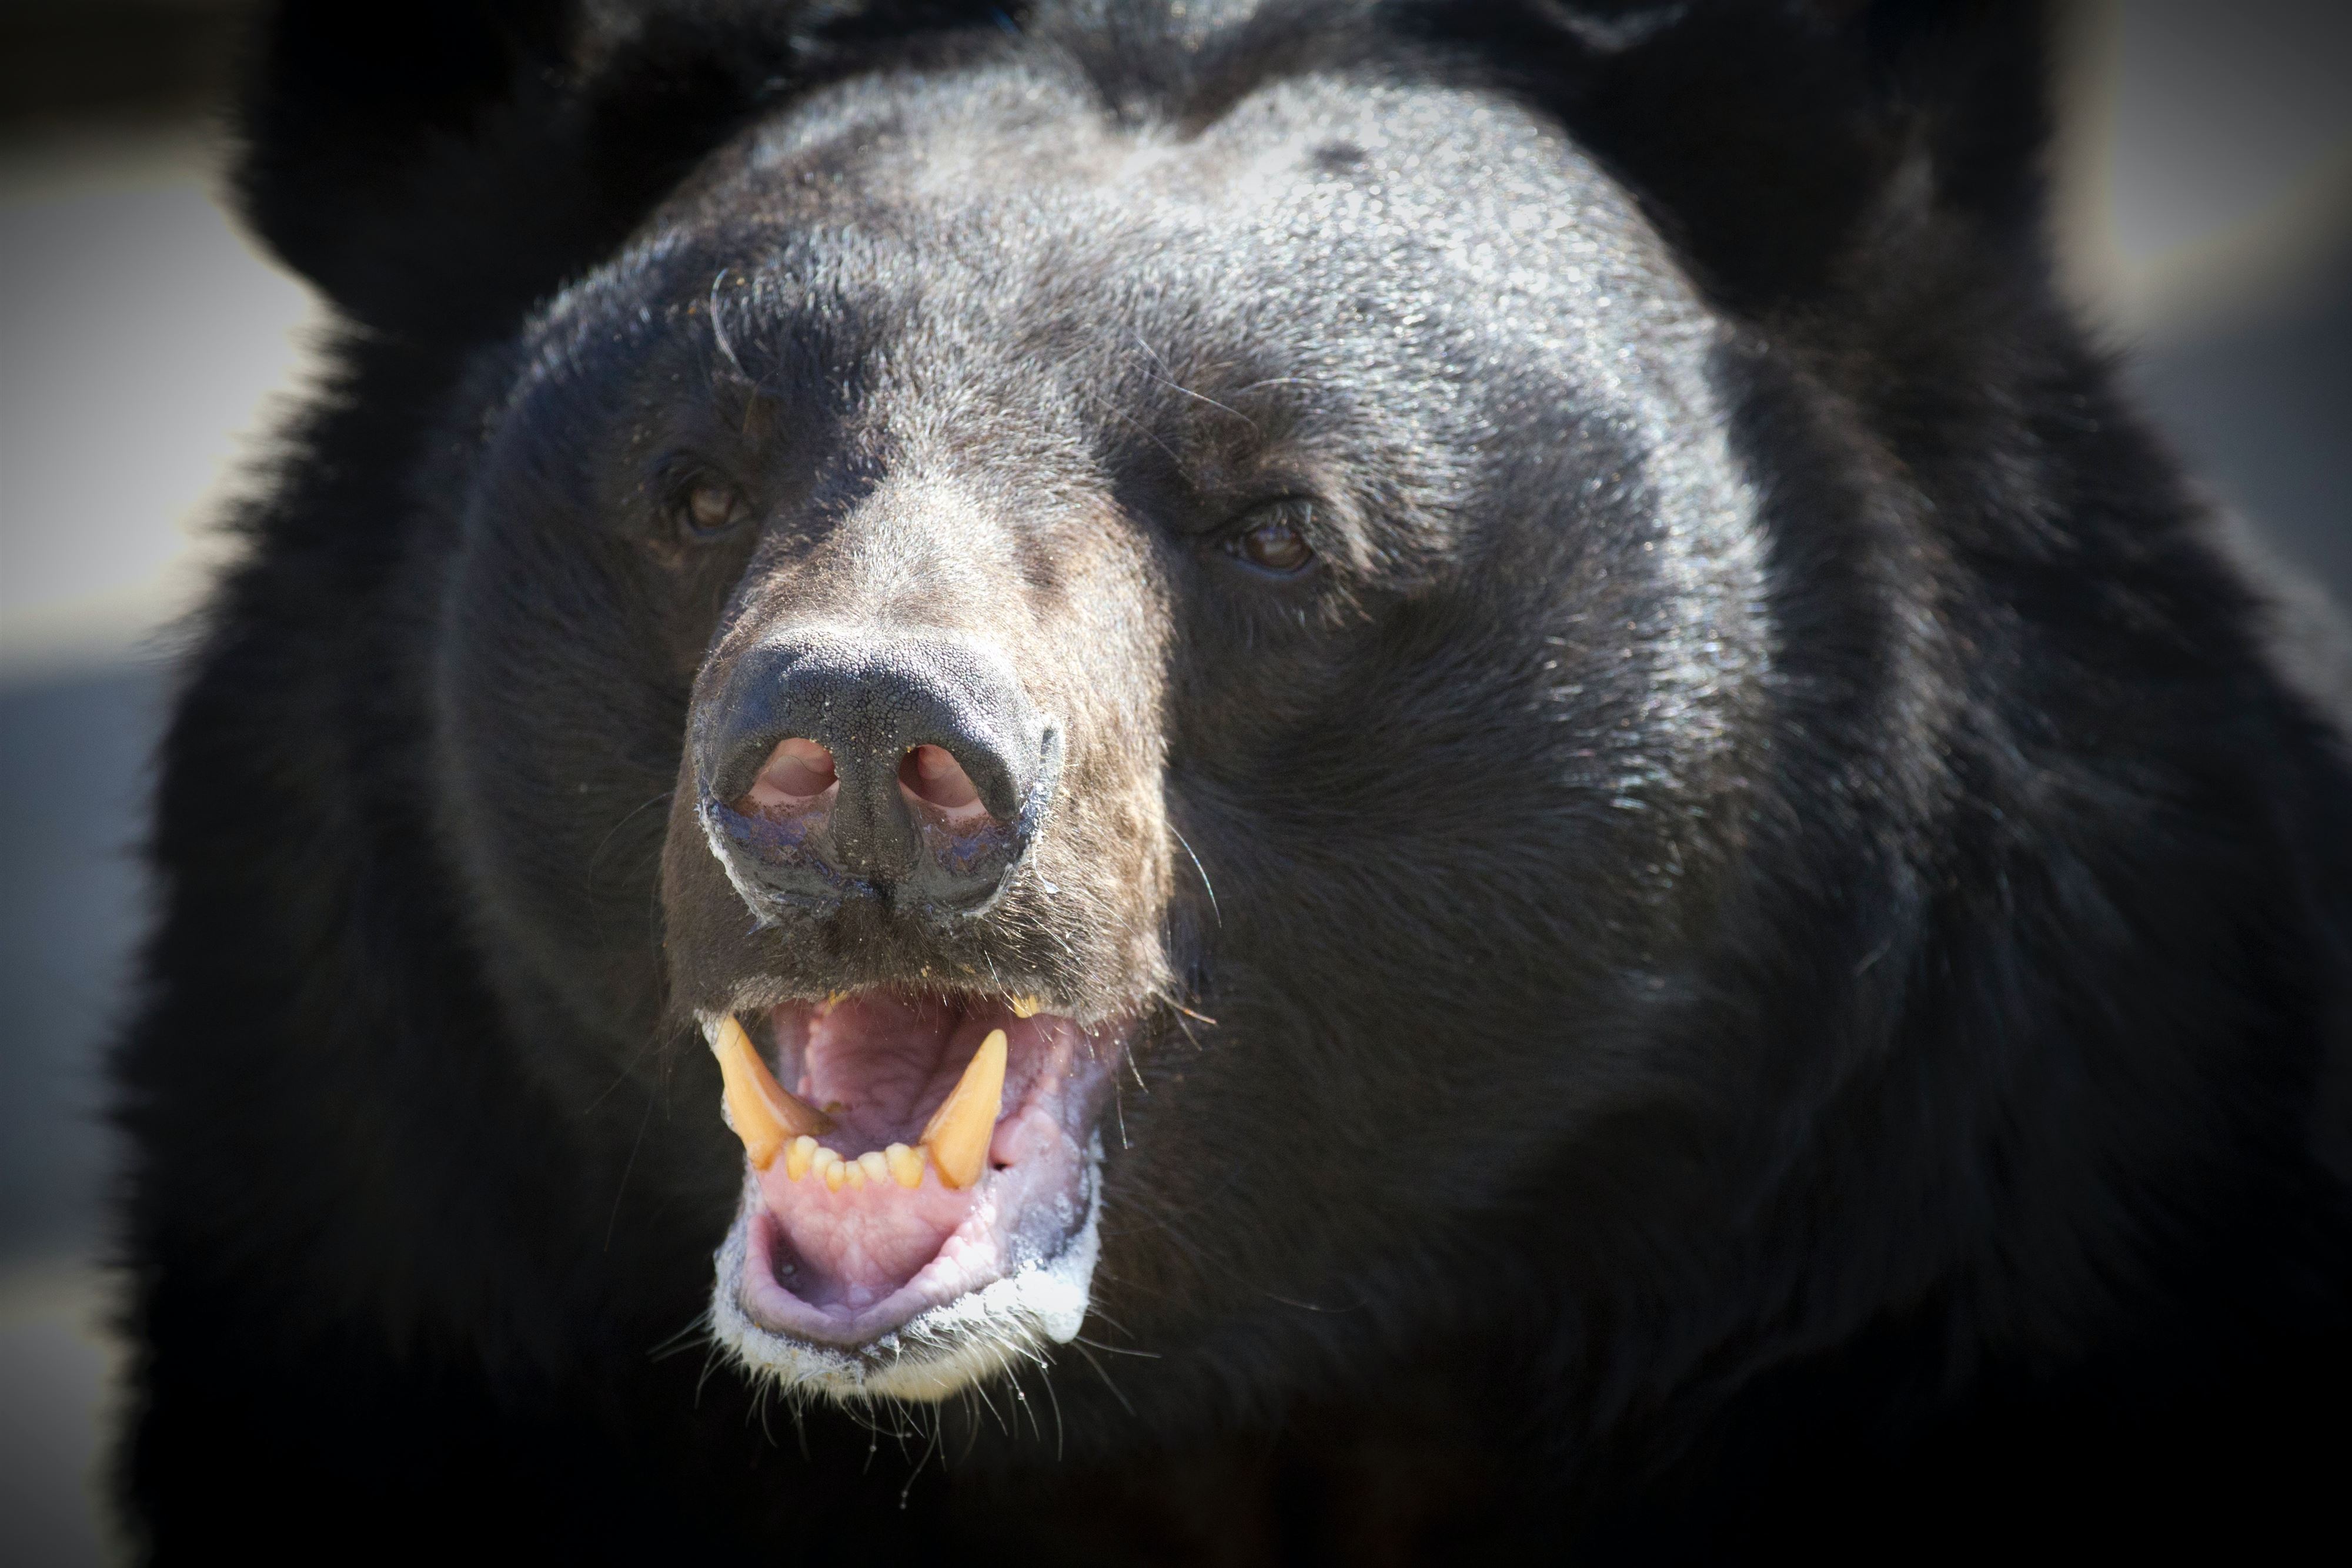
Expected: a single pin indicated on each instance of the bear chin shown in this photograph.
(940, 1350)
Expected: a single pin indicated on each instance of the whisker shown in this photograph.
(1203, 871)
(613, 1218)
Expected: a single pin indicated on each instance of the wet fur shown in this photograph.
(1845, 1042)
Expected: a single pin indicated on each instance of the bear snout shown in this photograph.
(836, 763)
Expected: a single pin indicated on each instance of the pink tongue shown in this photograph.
(854, 1247)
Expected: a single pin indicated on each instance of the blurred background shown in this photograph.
(2204, 214)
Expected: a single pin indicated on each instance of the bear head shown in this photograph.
(1156, 626)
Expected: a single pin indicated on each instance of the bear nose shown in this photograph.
(910, 767)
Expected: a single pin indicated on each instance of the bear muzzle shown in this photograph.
(919, 1025)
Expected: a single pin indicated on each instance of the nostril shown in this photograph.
(796, 773)
(931, 773)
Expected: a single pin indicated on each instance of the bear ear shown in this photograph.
(1778, 139)
(438, 165)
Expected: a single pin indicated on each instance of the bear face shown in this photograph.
(1467, 731)
(1274, 524)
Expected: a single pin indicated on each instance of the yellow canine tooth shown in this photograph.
(905, 1164)
(797, 1156)
(876, 1165)
(759, 1110)
(1026, 1007)
(958, 1133)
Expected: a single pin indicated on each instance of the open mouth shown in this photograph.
(921, 1189)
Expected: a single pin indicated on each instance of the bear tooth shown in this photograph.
(1026, 1007)
(798, 1114)
(853, 1173)
(751, 1099)
(833, 1170)
(797, 1156)
(875, 1165)
(959, 1131)
(763, 1113)
(761, 1138)
(906, 1164)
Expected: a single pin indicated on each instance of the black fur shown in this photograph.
(1780, 942)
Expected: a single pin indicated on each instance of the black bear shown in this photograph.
(1330, 782)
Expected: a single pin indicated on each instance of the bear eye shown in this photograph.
(709, 509)
(1274, 541)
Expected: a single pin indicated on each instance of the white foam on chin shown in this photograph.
(937, 1352)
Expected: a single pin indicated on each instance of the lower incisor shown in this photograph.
(901, 1163)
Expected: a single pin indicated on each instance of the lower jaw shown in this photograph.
(1027, 1305)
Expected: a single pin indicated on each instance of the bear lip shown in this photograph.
(847, 1267)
